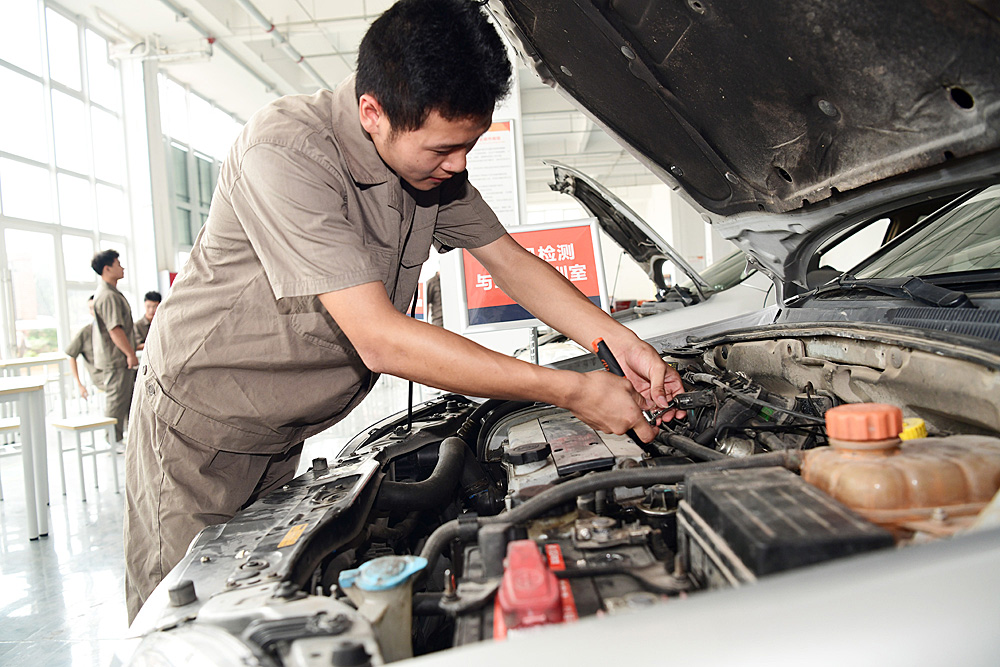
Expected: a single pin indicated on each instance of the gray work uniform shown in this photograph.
(82, 345)
(432, 301)
(111, 310)
(141, 330)
(245, 362)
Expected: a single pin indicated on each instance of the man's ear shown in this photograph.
(372, 115)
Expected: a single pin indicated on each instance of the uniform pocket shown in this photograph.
(309, 318)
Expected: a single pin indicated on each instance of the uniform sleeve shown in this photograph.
(465, 220)
(75, 347)
(113, 312)
(141, 331)
(295, 214)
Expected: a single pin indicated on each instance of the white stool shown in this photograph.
(83, 424)
(9, 425)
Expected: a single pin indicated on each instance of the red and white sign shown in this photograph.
(571, 248)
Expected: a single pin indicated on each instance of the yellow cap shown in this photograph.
(913, 428)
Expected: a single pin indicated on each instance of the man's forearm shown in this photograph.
(390, 342)
(121, 341)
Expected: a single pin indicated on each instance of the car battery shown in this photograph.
(737, 525)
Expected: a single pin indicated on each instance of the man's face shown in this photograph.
(426, 157)
(116, 271)
(151, 307)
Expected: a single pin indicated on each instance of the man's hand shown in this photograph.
(122, 342)
(390, 342)
(653, 378)
(609, 403)
(557, 302)
(82, 389)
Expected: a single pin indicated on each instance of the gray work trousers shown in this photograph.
(119, 382)
(174, 487)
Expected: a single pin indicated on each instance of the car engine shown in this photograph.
(464, 522)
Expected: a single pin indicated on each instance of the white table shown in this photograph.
(29, 393)
(13, 368)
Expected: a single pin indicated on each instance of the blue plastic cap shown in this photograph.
(382, 574)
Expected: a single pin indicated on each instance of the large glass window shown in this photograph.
(31, 260)
(22, 131)
(112, 212)
(79, 313)
(76, 202)
(25, 191)
(174, 111)
(20, 38)
(198, 136)
(102, 75)
(179, 171)
(64, 49)
(182, 226)
(109, 162)
(77, 253)
(63, 185)
(69, 119)
(207, 173)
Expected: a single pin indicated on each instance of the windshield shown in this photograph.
(966, 238)
(728, 272)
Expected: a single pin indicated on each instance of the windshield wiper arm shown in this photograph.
(908, 287)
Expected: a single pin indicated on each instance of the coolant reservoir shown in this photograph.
(920, 484)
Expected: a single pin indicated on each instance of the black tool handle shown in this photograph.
(611, 365)
(603, 353)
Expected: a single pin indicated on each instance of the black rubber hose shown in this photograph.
(691, 448)
(397, 532)
(632, 477)
(433, 492)
(436, 543)
(629, 477)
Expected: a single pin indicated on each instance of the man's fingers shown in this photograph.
(657, 392)
(645, 430)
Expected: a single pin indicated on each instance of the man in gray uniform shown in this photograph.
(82, 346)
(150, 303)
(293, 298)
(114, 354)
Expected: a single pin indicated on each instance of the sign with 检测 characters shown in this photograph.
(572, 248)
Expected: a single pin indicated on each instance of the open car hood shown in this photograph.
(640, 241)
(777, 119)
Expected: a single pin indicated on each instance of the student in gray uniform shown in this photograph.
(150, 303)
(293, 299)
(113, 334)
(82, 345)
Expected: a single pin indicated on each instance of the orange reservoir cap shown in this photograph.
(864, 422)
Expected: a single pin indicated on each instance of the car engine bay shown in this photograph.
(465, 521)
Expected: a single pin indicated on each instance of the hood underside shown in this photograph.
(767, 105)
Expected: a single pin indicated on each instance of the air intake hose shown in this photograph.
(433, 492)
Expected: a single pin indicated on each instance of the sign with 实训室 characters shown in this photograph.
(572, 248)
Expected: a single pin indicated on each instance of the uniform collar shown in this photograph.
(363, 161)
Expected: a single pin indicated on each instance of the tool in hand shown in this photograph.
(611, 365)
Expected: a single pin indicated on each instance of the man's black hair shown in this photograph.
(153, 296)
(440, 55)
(102, 259)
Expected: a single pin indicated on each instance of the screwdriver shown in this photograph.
(611, 365)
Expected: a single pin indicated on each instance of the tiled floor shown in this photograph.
(61, 596)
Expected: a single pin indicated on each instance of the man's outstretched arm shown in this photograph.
(550, 297)
(390, 342)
